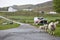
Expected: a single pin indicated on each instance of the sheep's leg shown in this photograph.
(53, 33)
(50, 32)
(46, 30)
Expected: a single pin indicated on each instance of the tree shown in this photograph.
(56, 5)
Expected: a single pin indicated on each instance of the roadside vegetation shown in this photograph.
(4, 24)
(57, 31)
(8, 26)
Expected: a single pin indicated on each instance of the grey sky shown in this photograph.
(4, 3)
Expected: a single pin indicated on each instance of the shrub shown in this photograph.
(51, 21)
(58, 20)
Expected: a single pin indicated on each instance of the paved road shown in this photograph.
(25, 32)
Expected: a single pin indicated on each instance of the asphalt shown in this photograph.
(26, 32)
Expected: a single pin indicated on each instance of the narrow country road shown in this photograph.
(25, 32)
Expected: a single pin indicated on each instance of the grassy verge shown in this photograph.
(57, 31)
(8, 26)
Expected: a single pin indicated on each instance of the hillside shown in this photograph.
(4, 9)
(47, 6)
(49, 3)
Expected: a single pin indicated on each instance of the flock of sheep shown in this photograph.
(49, 26)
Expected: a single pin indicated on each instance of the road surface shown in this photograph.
(25, 32)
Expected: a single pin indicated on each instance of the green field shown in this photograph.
(57, 31)
(8, 26)
(30, 19)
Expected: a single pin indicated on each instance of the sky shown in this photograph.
(5, 3)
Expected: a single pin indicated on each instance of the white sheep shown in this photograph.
(52, 27)
(53, 23)
(45, 26)
(36, 20)
(41, 27)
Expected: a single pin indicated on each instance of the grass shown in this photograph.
(30, 18)
(8, 26)
(57, 31)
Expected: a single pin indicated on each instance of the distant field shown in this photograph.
(30, 19)
(27, 16)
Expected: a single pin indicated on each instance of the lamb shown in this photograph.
(45, 26)
(41, 27)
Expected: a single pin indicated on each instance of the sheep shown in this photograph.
(45, 26)
(41, 27)
(52, 27)
(36, 20)
(53, 23)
